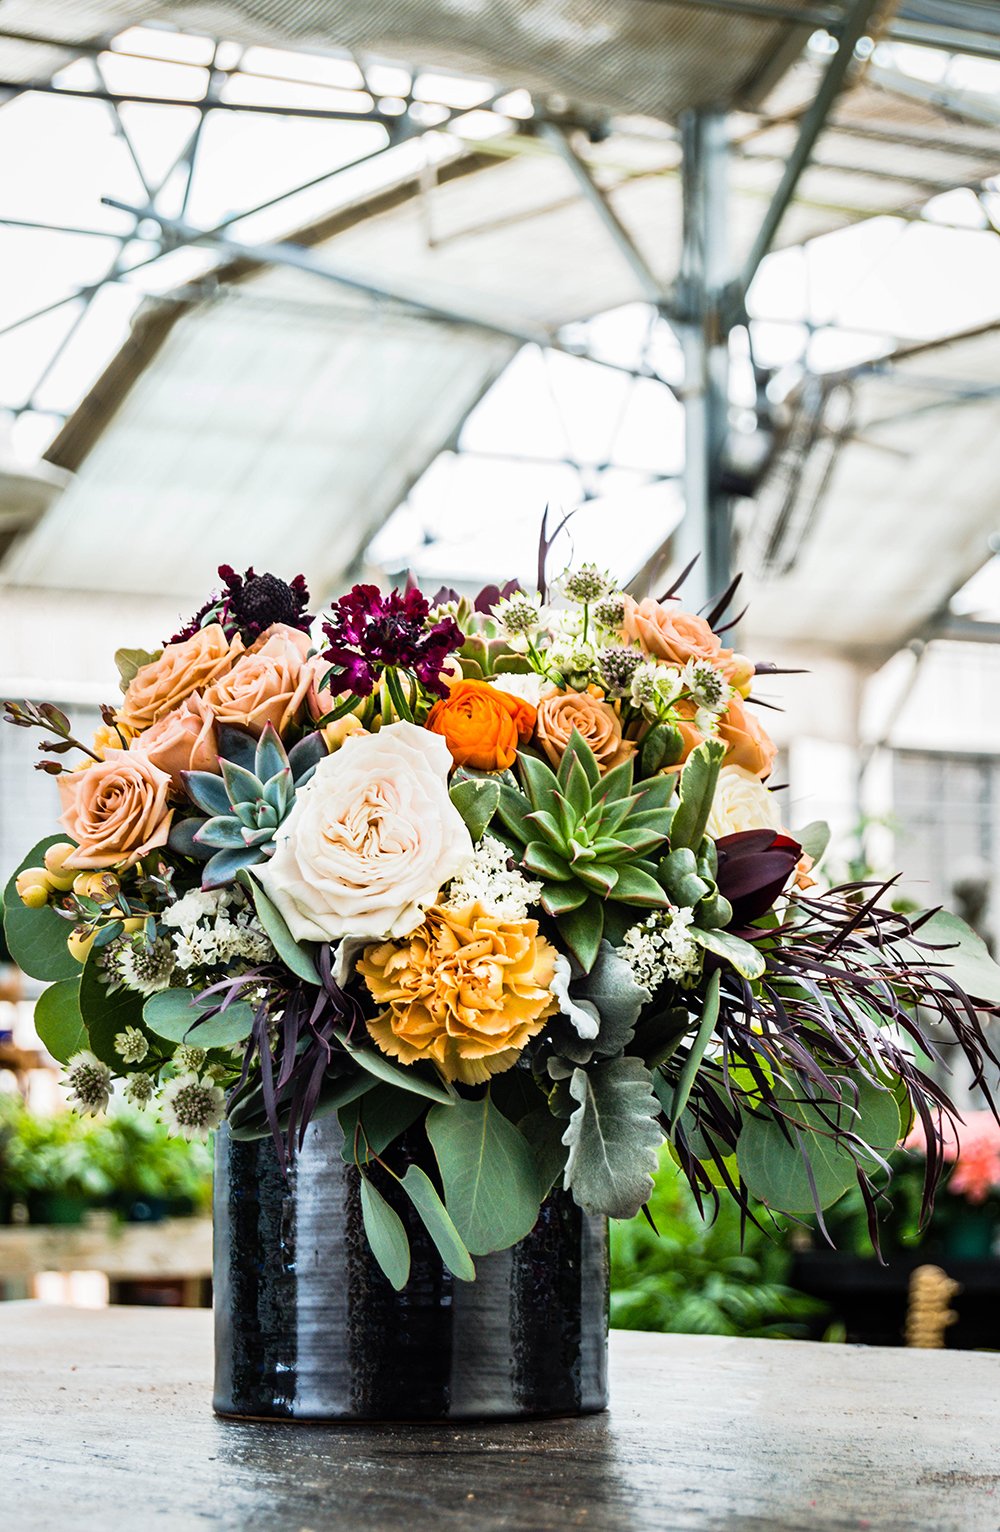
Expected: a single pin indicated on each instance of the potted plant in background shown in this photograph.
(456, 915)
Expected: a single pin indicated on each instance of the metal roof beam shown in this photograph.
(205, 103)
(813, 122)
(559, 138)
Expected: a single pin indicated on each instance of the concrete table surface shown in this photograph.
(105, 1423)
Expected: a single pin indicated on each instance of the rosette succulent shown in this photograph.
(245, 806)
(590, 839)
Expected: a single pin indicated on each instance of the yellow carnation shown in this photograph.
(466, 990)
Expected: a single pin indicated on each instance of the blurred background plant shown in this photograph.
(695, 1277)
(58, 1166)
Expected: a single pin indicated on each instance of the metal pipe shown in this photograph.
(202, 103)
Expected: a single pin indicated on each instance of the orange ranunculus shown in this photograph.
(595, 720)
(190, 666)
(482, 726)
(747, 744)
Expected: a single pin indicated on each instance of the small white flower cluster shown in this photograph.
(655, 688)
(487, 879)
(661, 947)
(710, 691)
(131, 1045)
(214, 926)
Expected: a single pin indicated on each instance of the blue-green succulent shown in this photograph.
(245, 805)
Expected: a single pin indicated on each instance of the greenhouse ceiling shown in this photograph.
(274, 284)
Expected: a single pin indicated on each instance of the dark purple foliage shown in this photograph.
(250, 603)
(369, 633)
(754, 866)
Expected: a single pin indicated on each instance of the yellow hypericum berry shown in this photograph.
(55, 864)
(133, 924)
(92, 885)
(33, 887)
(79, 942)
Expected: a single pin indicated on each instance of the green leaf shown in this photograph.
(581, 753)
(488, 1173)
(612, 1137)
(637, 887)
(747, 959)
(540, 859)
(36, 939)
(247, 1117)
(539, 782)
(617, 784)
(292, 953)
(476, 799)
(513, 810)
(697, 789)
(131, 661)
(679, 875)
(544, 1134)
(661, 747)
(696, 1052)
(581, 929)
(813, 838)
(182, 1016)
(577, 787)
(386, 1235)
(434, 1216)
(408, 1079)
(376, 1119)
(106, 1013)
(776, 1168)
(559, 898)
(58, 1021)
(961, 955)
(610, 991)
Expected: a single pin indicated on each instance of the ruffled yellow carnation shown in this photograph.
(466, 990)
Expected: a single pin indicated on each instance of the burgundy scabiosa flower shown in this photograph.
(369, 633)
(754, 866)
(250, 603)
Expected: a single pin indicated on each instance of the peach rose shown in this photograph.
(466, 989)
(117, 811)
(269, 684)
(596, 721)
(747, 744)
(182, 668)
(183, 740)
(677, 637)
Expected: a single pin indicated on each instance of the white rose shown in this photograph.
(370, 840)
(741, 802)
(530, 687)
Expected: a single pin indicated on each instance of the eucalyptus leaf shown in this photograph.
(58, 1020)
(488, 1172)
(131, 661)
(544, 1135)
(409, 1079)
(386, 1235)
(106, 1013)
(434, 1216)
(953, 948)
(814, 839)
(36, 939)
(375, 1120)
(184, 1016)
(612, 1137)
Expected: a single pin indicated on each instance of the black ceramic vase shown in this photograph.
(308, 1328)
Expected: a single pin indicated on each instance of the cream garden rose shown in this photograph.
(741, 802)
(372, 839)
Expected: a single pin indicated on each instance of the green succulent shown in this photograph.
(246, 804)
(589, 839)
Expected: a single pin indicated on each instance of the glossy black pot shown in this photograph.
(308, 1328)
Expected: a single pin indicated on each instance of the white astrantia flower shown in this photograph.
(143, 966)
(519, 615)
(661, 947)
(189, 1059)
(585, 1022)
(617, 664)
(707, 685)
(609, 611)
(138, 1090)
(655, 687)
(89, 1082)
(192, 1107)
(132, 1045)
(585, 584)
(487, 879)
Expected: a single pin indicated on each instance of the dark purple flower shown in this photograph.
(250, 603)
(370, 633)
(754, 867)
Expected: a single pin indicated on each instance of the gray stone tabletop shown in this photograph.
(106, 1423)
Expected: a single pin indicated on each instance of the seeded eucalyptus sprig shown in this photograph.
(589, 838)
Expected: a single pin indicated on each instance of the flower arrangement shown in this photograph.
(506, 876)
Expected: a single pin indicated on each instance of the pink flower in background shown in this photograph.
(975, 1152)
